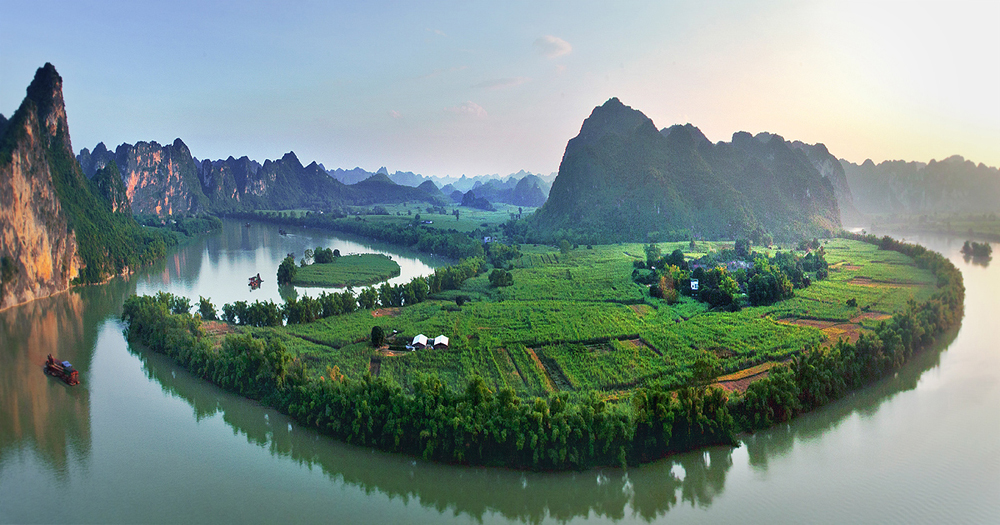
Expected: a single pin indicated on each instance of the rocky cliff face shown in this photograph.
(37, 245)
(830, 167)
(166, 180)
(160, 180)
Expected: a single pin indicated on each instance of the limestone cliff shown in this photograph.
(37, 246)
(161, 180)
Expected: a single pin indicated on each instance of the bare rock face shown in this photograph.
(38, 248)
(161, 180)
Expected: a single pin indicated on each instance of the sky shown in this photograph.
(453, 88)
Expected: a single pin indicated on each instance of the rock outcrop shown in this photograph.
(621, 179)
(38, 247)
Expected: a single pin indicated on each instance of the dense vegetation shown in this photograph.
(350, 270)
(732, 277)
(973, 249)
(415, 236)
(182, 226)
(587, 399)
(623, 180)
(820, 375)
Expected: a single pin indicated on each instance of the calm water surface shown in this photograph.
(142, 441)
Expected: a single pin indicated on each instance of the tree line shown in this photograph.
(477, 425)
(820, 375)
(308, 309)
(758, 279)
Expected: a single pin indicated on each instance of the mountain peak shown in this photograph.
(378, 178)
(46, 93)
(612, 117)
(687, 133)
(383, 171)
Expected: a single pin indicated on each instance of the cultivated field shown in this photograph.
(575, 321)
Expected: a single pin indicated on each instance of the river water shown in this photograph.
(140, 440)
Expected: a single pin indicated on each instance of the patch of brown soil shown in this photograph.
(849, 331)
(385, 312)
(740, 385)
(640, 342)
(868, 281)
(640, 309)
(815, 323)
(215, 328)
(375, 366)
(549, 384)
(874, 316)
(849, 267)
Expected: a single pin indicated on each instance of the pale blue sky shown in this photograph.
(451, 88)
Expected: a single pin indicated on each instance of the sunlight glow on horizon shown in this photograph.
(470, 89)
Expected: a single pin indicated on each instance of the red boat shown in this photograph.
(63, 370)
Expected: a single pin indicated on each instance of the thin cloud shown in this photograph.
(437, 32)
(501, 83)
(552, 46)
(395, 114)
(470, 108)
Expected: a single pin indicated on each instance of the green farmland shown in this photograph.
(576, 322)
(349, 270)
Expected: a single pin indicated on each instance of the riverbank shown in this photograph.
(580, 430)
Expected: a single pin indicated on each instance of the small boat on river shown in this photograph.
(255, 282)
(282, 232)
(63, 370)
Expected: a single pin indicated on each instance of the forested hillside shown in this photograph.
(621, 179)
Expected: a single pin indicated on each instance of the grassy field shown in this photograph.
(348, 270)
(469, 219)
(575, 322)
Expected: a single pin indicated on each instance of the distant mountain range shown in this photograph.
(518, 188)
(622, 179)
(952, 185)
(167, 179)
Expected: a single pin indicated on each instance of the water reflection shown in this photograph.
(217, 265)
(38, 412)
(779, 441)
(977, 260)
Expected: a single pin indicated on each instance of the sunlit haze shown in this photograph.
(452, 88)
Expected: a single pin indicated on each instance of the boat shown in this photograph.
(255, 282)
(282, 232)
(63, 370)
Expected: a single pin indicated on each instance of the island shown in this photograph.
(348, 270)
(573, 361)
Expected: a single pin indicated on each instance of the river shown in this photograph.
(140, 440)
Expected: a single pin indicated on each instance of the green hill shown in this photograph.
(622, 180)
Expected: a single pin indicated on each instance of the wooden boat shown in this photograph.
(63, 370)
